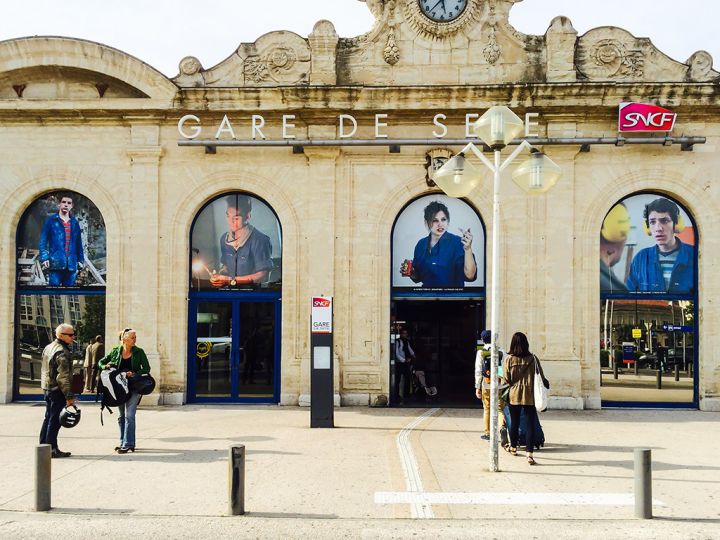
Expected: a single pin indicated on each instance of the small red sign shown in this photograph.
(321, 302)
(640, 117)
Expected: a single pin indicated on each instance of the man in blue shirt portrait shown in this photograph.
(245, 252)
(667, 266)
(61, 250)
(441, 259)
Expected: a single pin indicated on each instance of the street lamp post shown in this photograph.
(457, 178)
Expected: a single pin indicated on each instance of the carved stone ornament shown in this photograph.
(491, 52)
(277, 58)
(700, 67)
(189, 66)
(434, 30)
(391, 52)
(610, 59)
(434, 159)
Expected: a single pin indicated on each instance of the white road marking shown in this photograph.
(419, 509)
(514, 499)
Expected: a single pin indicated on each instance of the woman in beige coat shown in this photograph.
(520, 376)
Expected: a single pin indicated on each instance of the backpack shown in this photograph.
(487, 356)
(112, 390)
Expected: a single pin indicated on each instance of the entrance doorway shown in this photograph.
(234, 349)
(444, 334)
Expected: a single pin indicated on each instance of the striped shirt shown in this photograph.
(667, 264)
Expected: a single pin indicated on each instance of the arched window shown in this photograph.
(438, 254)
(236, 244)
(438, 247)
(235, 302)
(61, 273)
(648, 292)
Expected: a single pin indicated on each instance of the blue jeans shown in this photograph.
(54, 404)
(64, 278)
(126, 420)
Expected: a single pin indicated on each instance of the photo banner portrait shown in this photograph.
(236, 244)
(438, 246)
(648, 245)
(61, 243)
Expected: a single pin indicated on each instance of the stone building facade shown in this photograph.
(85, 117)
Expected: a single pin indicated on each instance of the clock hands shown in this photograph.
(437, 4)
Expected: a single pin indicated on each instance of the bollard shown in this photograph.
(677, 372)
(659, 379)
(636, 366)
(43, 468)
(643, 484)
(615, 370)
(236, 480)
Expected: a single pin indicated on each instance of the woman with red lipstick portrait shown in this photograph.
(441, 259)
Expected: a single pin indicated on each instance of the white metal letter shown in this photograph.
(436, 121)
(225, 126)
(195, 129)
(379, 124)
(341, 127)
(258, 122)
(287, 125)
(470, 119)
(529, 123)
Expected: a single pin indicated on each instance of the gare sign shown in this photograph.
(190, 126)
(644, 117)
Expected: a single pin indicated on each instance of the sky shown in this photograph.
(162, 32)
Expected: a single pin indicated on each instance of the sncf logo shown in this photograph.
(645, 117)
(321, 302)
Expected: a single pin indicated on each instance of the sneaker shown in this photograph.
(57, 453)
(485, 436)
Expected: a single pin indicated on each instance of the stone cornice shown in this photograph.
(697, 100)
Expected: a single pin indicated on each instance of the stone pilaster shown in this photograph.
(323, 44)
(317, 266)
(560, 39)
(140, 265)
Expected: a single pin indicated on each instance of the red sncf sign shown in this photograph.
(645, 117)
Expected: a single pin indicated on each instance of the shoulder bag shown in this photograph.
(540, 391)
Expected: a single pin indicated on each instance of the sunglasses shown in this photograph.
(68, 333)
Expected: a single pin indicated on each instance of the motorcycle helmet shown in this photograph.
(70, 416)
(142, 384)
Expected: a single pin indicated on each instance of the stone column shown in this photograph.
(317, 265)
(140, 267)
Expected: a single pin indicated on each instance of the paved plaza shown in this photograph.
(381, 473)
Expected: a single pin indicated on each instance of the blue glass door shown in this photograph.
(234, 350)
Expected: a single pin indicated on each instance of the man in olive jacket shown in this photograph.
(55, 381)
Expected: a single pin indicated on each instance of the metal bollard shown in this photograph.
(43, 469)
(677, 372)
(615, 370)
(659, 379)
(643, 484)
(636, 367)
(236, 480)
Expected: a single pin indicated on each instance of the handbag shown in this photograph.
(539, 390)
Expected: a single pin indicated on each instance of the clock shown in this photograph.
(442, 11)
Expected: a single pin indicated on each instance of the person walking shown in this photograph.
(55, 381)
(404, 356)
(482, 382)
(519, 372)
(131, 360)
(92, 363)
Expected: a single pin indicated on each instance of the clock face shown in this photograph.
(443, 10)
